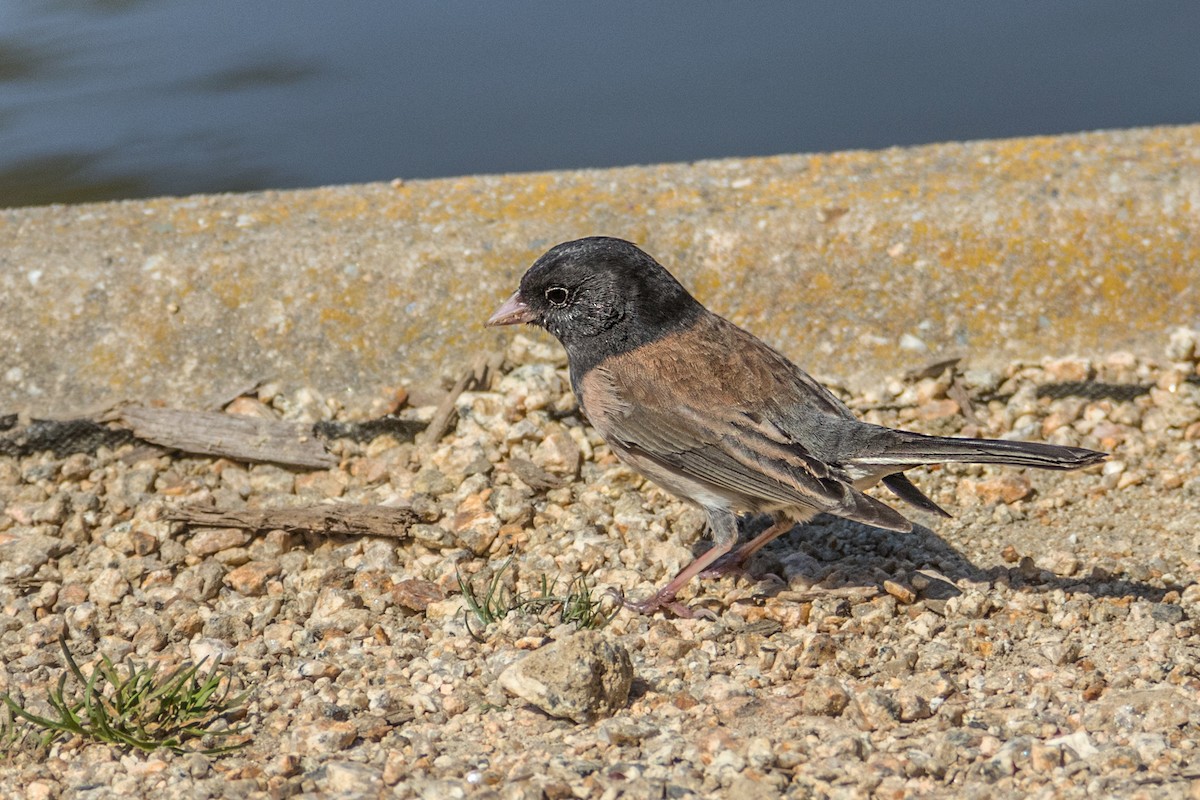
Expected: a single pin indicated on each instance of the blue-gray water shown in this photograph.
(128, 98)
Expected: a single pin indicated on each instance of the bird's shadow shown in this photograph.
(830, 552)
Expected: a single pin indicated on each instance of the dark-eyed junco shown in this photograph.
(717, 417)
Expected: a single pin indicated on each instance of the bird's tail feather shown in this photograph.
(903, 488)
(914, 449)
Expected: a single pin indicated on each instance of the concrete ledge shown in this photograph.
(994, 250)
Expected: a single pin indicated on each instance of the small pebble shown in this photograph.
(825, 696)
(581, 678)
(900, 592)
(251, 579)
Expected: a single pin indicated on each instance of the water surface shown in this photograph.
(130, 98)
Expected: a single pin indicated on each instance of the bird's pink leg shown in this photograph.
(734, 561)
(723, 525)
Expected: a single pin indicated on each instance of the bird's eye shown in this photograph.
(557, 296)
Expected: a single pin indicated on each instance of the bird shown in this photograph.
(719, 418)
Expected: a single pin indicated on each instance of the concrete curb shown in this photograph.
(852, 263)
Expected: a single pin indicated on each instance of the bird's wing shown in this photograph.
(713, 432)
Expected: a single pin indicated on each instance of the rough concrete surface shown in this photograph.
(849, 262)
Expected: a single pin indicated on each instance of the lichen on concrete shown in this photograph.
(991, 250)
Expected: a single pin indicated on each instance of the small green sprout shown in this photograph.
(576, 605)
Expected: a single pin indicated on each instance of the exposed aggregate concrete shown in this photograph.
(1042, 643)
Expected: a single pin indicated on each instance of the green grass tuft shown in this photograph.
(133, 706)
(576, 604)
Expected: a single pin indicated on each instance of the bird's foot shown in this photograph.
(662, 601)
(728, 565)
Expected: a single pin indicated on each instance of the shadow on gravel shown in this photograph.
(829, 553)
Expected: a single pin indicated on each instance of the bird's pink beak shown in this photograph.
(513, 312)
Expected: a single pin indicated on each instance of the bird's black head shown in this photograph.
(599, 296)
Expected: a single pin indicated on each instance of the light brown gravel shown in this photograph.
(1041, 643)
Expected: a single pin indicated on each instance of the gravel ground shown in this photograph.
(1042, 643)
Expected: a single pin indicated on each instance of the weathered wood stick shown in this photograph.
(350, 520)
(212, 433)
